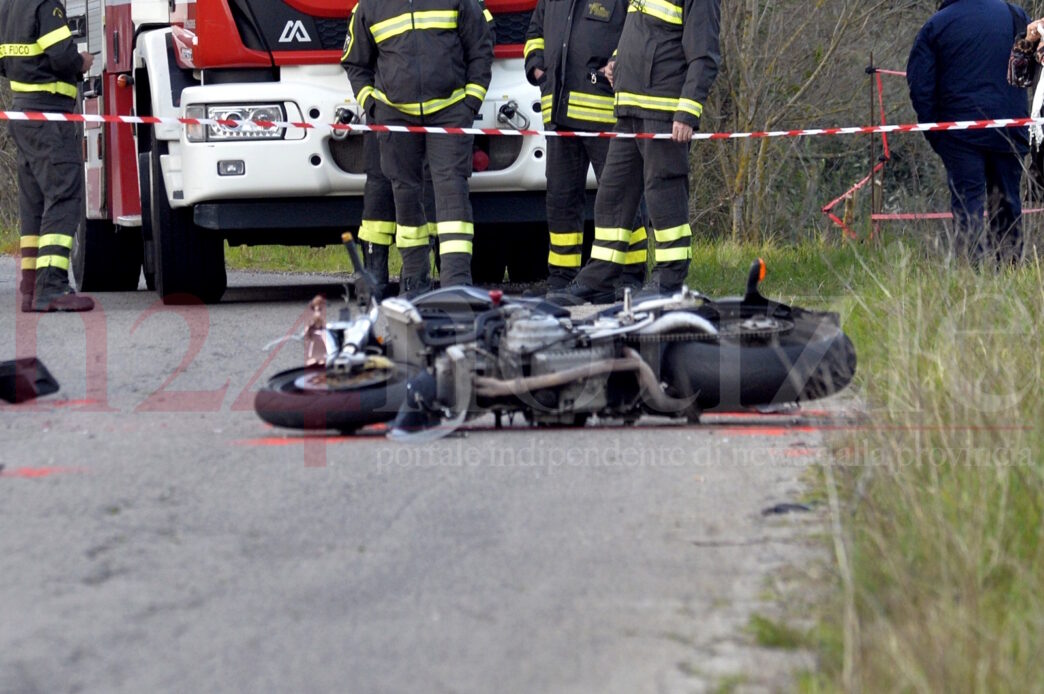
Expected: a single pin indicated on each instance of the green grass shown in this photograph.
(770, 633)
(8, 240)
(940, 559)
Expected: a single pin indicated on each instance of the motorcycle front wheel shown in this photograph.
(308, 398)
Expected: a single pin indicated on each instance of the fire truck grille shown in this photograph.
(511, 27)
(332, 33)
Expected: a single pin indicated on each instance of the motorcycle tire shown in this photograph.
(284, 403)
(813, 360)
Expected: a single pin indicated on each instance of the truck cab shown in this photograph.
(167, 197)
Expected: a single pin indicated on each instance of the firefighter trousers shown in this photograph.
(568, 159)
(449, 159)
(663, 165)
(50, 192)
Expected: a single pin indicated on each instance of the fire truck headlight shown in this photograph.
(244, 122)
(196, 133)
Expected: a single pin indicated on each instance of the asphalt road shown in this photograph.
(153, 540)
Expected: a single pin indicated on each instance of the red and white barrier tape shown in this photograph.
(805, 132)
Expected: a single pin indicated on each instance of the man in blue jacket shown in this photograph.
(957, 71)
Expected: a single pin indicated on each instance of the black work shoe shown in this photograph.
(53, 293)
(635, 287)
(577, 294)
(653, 290)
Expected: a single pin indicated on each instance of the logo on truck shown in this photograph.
(294, 31)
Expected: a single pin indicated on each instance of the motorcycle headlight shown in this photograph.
(240, 122)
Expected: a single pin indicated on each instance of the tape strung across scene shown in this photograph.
(806, 132)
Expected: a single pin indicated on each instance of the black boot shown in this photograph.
(455, 269)
(375, 257)
(416, 271)
(53, 293)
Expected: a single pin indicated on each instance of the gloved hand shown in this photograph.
(1022, 65)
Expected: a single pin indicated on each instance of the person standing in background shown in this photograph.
(666, 61)
(957, 71)
(568, 44)
(423, 64)
(39, 58)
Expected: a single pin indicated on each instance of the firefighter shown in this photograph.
(423, 63)
(666, 61)
(39, 58)
(568, 44)
(377, 228)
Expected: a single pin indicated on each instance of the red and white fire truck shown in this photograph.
(166, 198)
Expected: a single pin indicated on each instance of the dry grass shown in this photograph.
(942, 497)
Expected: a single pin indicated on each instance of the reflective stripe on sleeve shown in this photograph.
(52, 38)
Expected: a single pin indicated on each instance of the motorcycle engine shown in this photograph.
(537, 345)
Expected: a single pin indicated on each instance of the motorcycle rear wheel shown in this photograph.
(813, 360)
(302, 398)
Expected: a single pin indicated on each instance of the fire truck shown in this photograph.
(164, 199)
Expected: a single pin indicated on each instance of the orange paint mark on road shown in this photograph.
(38, 472)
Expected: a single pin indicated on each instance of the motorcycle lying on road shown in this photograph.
(430, 363)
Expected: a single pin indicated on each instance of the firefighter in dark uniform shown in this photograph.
(423, 62)
(377, 228)
(951, 82)
(39, 58)
(568, 44)
(666, 62)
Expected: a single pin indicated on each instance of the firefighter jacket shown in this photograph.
(38, 55)
(667, 59)
(571, 40)
(418, 56)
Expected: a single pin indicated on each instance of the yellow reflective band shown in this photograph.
(431, 19)
(607, 234)
(28, 263)
(570, 238)
(29, 242)
(532, 45)
(666, 11)
(666, 255)
(447, 247)
(435, 19)
(608, 255)
(364, 94)
(672, 234)
(63, 240)
(53, 37)
(20, 50)
(466, 228)
(590, 114)
(63, 88)
(381, 233)
(57, 261)
(351, 35)
(488, 15)
(475, 90)
(411, 237)
(415, 109)
(638, 235)
(391, 27)
(563, 260)
(591, 100)
(653, 103)
(690, 106)
(633, 257)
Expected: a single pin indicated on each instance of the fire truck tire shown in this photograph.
(105, 259)
(148, 264)
(487, 254)
(189, 260)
